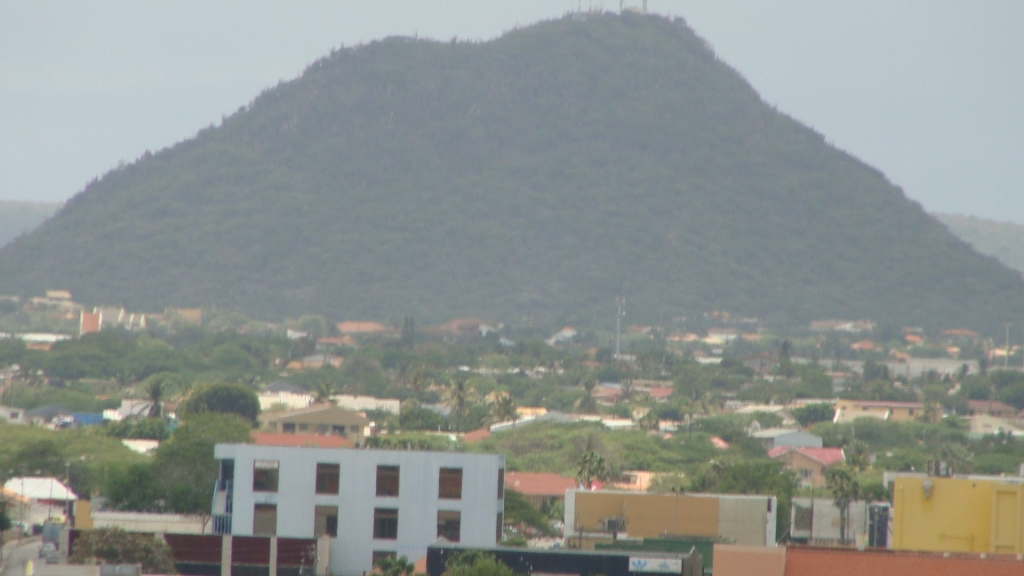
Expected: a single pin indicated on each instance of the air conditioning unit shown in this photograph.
(614, 524)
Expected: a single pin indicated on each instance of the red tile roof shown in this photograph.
(538, 483)
(827, 456)
(299, 440)
(802, 561)
(476, 435)
(660, 392)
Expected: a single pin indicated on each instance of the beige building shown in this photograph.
(849, 410)
(325, 419)
(598, 516)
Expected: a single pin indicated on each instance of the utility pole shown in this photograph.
(619, 302)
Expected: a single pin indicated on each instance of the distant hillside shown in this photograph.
(17, 218)
(531, 178)
(1002, 240)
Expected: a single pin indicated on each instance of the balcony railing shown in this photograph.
(222, 524)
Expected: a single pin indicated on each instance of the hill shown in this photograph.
(17, 218)
(1001, 240)
(531, 178)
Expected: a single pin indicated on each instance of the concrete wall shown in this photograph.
(735, 560)
(417, 503)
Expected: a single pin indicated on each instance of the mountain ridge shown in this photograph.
(530, 178)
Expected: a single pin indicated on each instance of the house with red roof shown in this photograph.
(539, 488)
(809, 464)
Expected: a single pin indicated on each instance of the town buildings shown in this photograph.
(369, 503)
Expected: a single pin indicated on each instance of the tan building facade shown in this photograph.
(603, 515)
(324, 419)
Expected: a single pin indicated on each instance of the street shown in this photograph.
(16, 555)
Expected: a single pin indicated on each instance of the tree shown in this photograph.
(185, 464)
(649, 421)
(518, 510)
(813, 413)
(932, 396)
(586, 404)
(474, 563)
(134, 487)
(222, 397)
(503, 408)
(322, 391)
(750, 477)
(408, 338)
(592, 467)
(694, 388)
(115, 546)
(458, 397)
(395, 566)
(157, 387)
(857, 455)
(841, 482)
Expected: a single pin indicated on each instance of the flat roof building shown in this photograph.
(369, 503)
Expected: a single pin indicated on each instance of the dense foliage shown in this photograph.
(531, 178)
(116, 546)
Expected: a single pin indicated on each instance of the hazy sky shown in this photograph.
(929, 92)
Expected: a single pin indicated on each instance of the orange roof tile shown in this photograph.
(299, 440)
(476, 435)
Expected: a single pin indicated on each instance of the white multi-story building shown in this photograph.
(369, 503)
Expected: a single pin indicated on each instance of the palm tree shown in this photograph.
(458, 396)
(503, 408)
(592, 467)
(586, 404)
(322, 392)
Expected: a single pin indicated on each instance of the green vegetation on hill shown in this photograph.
(1002, 240)
(529, 178)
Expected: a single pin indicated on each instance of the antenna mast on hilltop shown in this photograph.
(620, 302)
(645, 6)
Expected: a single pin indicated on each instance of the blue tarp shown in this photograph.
(86, 419)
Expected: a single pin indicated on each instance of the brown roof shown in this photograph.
(802, 561)
(299, 440)
(538, 483)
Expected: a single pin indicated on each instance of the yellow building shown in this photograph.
(849, 410)
(958, 515)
